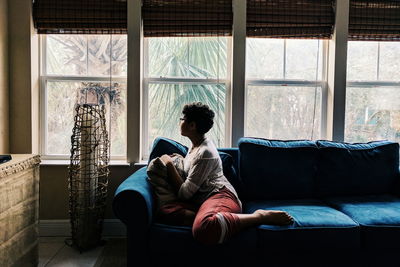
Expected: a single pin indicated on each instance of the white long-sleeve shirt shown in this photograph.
(204, 174)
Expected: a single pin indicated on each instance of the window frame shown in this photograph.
(43, 79)
(323, 84)
(333, 94)
(146, 80)
(366, 84)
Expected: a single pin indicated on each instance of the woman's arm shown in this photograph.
(174, 178)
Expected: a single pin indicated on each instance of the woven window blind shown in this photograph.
(377, 20)
(187, 18)
(80, 16)
(313, 19)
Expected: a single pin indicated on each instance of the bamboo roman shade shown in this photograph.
(187, 18)
(377, 20)
(80, 16)
(290, 18)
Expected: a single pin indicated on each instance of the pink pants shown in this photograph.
(215, 220)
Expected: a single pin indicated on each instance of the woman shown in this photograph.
(210, 203)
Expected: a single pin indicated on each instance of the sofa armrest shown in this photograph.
(398, 184)
(133, 204)
(133, 201)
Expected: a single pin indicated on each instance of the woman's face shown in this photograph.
(187, 128)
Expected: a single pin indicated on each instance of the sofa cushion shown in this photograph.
(162, 145)
(316, 226)
(229, 158)
(378, 216)
(272, 169)
(356, 169)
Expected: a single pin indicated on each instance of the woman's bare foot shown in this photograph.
(275, 217)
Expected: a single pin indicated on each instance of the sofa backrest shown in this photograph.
(230, 160)
(274, 169)
(356, 169)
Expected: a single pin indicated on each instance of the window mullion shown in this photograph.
(238, 71)
(145, 106)
(228, 96)
(83, 78)
(373, 84)
(135, 74)
(378, 60)
(285, 82)
(43, 116)
(284, 59)
(324, 92)
(42, 97)
(185, 80)
(336, 102)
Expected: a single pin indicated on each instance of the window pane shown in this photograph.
(372, 114)
(119, 55)
(362, 60)
(204, 57)
(100, 48)
(118, 119)
(166, 102)
(264, 58)
(283, 112)
(283, 59)
(66, 54)
(61, 99)
(99, 55)
(303, 59)
(389, 63)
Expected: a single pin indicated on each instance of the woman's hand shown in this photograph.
(173, 175)
(166, 159)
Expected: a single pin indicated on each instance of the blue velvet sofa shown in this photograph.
(345, 199)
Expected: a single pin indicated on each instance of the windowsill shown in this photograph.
(65, 162)
(141, 164)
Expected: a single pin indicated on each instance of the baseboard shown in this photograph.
(111, 227)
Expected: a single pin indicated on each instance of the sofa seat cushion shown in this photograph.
(316, 226)
(276, 169)
(378, 216)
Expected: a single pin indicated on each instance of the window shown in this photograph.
(82, 68)
(285, 79)
(373, 91)
(180, 70)
(284, 88)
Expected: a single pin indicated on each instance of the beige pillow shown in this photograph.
(157, 176)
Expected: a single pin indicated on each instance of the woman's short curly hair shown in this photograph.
(201, 114)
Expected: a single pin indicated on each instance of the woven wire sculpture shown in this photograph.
(88, 175)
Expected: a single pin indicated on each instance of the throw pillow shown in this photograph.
(158, 177)
(167, 146)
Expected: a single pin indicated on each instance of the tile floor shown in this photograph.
(54, 252)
